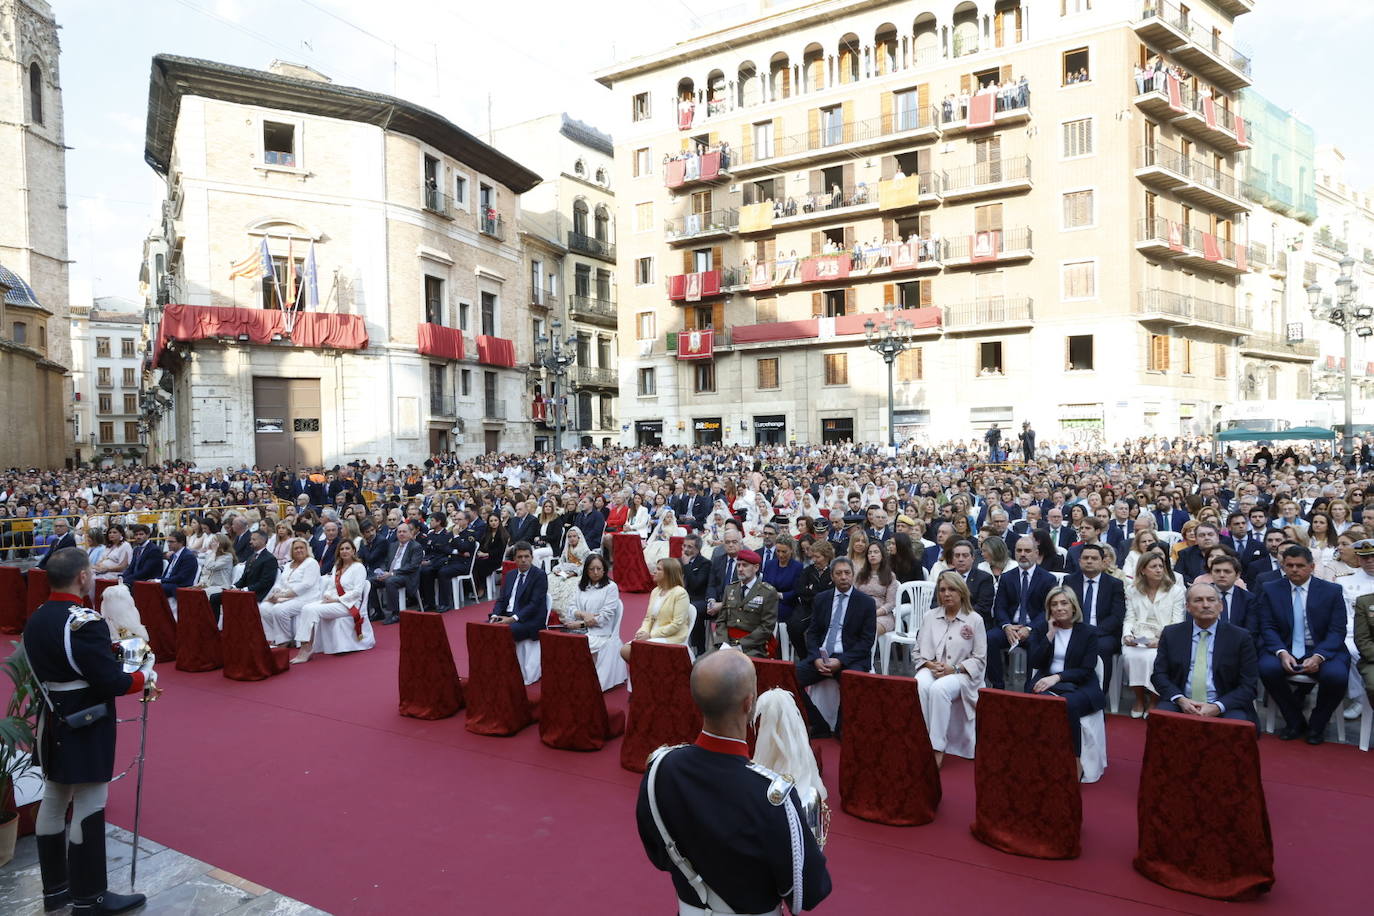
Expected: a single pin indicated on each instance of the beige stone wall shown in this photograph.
(33, 431)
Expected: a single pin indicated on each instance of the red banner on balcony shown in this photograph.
(905, 256)
(674, 172)
(677, 286)
(1175, 236)
(984, 246)
(928, 317)
(696, 344)
(1209, 111)
(206, 322)
(775, 330)
(825, 268)
(710, 165)
(980, 109)
(321, 330)
(685, 112)
(1240, 132)
(1210, 249)
(495, 351)
(694, 287)
(761, 277)
(437, 340)
(1175, 93)
(539, 409)
(1242, 258)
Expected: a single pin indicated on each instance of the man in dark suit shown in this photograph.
(183, 569)
(325, 546)
(1103, 600)
(931, 555)
(1237, 605)
(1249, 547)
(844, 622)
(1269, 563)
(146, 563)
(372, 554)
(1167, 518)
(1090, 531)
(1120, 530)
(696, 578)
(62, 538)
(241, 539)
(304, 486)
(1302, 627)
(878, 528)
(435, 545)
(1020, 603)
(1061, 534)
(592, 523)
(401, 572)
(1205, 666)
(980, 585)
(523, 526)
(690, 508)
(723, 572)
(1192, 561)
(524, 601)
(259, 571)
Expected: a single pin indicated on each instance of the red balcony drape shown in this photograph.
(825, 267)
(980, 110)
(776, 330)
(437, 340)
(327, 330)
(260, 326)
(710, 164)
(495, 351)
(674, 172)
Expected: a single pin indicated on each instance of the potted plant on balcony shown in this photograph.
(17, 730)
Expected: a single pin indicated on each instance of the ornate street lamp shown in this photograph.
(889, 339)
(555, 354)
(1344, 313)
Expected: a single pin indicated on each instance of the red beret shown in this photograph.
(749, 556)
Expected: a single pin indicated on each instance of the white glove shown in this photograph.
(148, 662)
(149, 679)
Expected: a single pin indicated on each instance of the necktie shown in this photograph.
(1168, 520)
(1197, 688)
(1025, 595)
(832, 635)
(519, 581)
(729, 570)
(1299, 622)
(1226, 606)
(1088, 602)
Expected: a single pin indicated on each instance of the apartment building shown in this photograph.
(1045, 194)
(568, 228)
(336, 275)
(107, 373)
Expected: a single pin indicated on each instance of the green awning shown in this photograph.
(1276, 435)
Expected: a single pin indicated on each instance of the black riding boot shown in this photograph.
(52, 862)
(86, 862)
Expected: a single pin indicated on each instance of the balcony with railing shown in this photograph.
(992, 313)
(1276, 346)
(907, 192)
(836, 205)
(436, 201)
(1330, 244)
(255, 327)
(828, 141)
(598, 310)
(543, 298)
(1259, 256)
(1168, 169)
(695, 227)
(996, 177)
(591, 246)
(697, 169)
(1158, 305)
(1235, 7)
(1193, 248)
(492, 225)
(595, 377)
(493, 410)
(1171, 28)
(992, 246)
(995, 106)
(442, 406)
(1163, 97)
(865, 262)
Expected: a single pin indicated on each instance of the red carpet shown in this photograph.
(313, 785)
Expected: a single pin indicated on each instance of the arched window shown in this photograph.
(35, 93)
(603, 224)
(580, 217)
(965, 29)
(600, 176)
(580, 168)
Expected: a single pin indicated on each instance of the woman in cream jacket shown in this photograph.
(669, 616)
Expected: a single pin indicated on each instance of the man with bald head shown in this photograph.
(1206, 666)
(1020, 604)
(728, 820)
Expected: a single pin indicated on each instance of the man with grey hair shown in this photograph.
(844, 623)
(1205, 666)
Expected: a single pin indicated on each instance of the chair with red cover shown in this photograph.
(770, 673)
(36, 590)
(198, 642)
(627, 566)
(497, 703)
(156, 615)
(675, 546)
(1210, 836)
(247, 657)
(1026, 810)
(100, 586)
(573, 715)
(426, 676)
(887, 766)
(13, 600)
(661, 709)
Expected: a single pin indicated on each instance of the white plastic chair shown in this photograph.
(913, 600)
(691, 625)
(336, 635)
(1093, 731)
(458, 587)
(1271, 711)
(1169, 537)
(1114, 697)
(1058, 578)
(1366, 720)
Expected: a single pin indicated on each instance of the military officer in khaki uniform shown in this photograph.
(1364, 641)
(749, 609)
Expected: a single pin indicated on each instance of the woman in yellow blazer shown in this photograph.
(669, 609)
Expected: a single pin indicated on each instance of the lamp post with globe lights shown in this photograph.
(1345, 313)
(554, 354)
(889, 339)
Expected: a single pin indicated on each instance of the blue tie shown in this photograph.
(1299, 622)
(832, 635)
(1025, 597)
(1088, 602)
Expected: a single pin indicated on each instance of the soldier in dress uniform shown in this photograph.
(1359, 589)
(77, 665)
(749, 611)
(732, 833)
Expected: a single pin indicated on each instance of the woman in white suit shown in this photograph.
(950, 656)
(298, 584)
(341, 596)
(595, 610)
(1154, 599)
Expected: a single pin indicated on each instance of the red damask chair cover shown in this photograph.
(1209, 836)
(772, 673)
(1025, 776)
(426, 677)
(661, 709)
(675, 546)
(36, 590)
(13, 600)
(100, 586)
(628, 568)
(156, 615)
(497, 703)
(247, 657)
(198, 644)
(887, 767)
(573, 716)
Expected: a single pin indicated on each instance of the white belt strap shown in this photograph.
(60, 686)
(703, 892)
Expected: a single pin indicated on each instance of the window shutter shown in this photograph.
(920, 363)
(770, 249)
(777, 134)
(923, 101)
(1068, 360)
(890, 229)
(718, 317)
(923, 160)
(887, 112)
(925, 292)
(925, 225)
(997, 26)
(887, 166)
(850, 307)
(718, 257)
(847, 115)
(816, 181)
(813, 128)
(746, 146)
(817, 305)
(688, 262)
(966, 82)
(686, 144)
(889, 293)
(713, 138)
(817, 242)
(1004, 74)
(847, 177)
(848, 238)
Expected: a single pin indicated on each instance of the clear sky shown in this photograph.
(522, 58)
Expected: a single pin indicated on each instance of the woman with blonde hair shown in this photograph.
(667, 619)
(1154, 600)
(279, 544)
(217, 569)
(298, 584)
(1062, 657)
(950, 656)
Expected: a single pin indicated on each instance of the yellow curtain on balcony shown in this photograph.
(756, 217)
(897, 193)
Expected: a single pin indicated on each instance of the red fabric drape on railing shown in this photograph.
(437, 340)
(495, 351)
(674, 172)
(710, 164)
(981, 109)
(776, 330)
(260, 326)
(320, 330)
